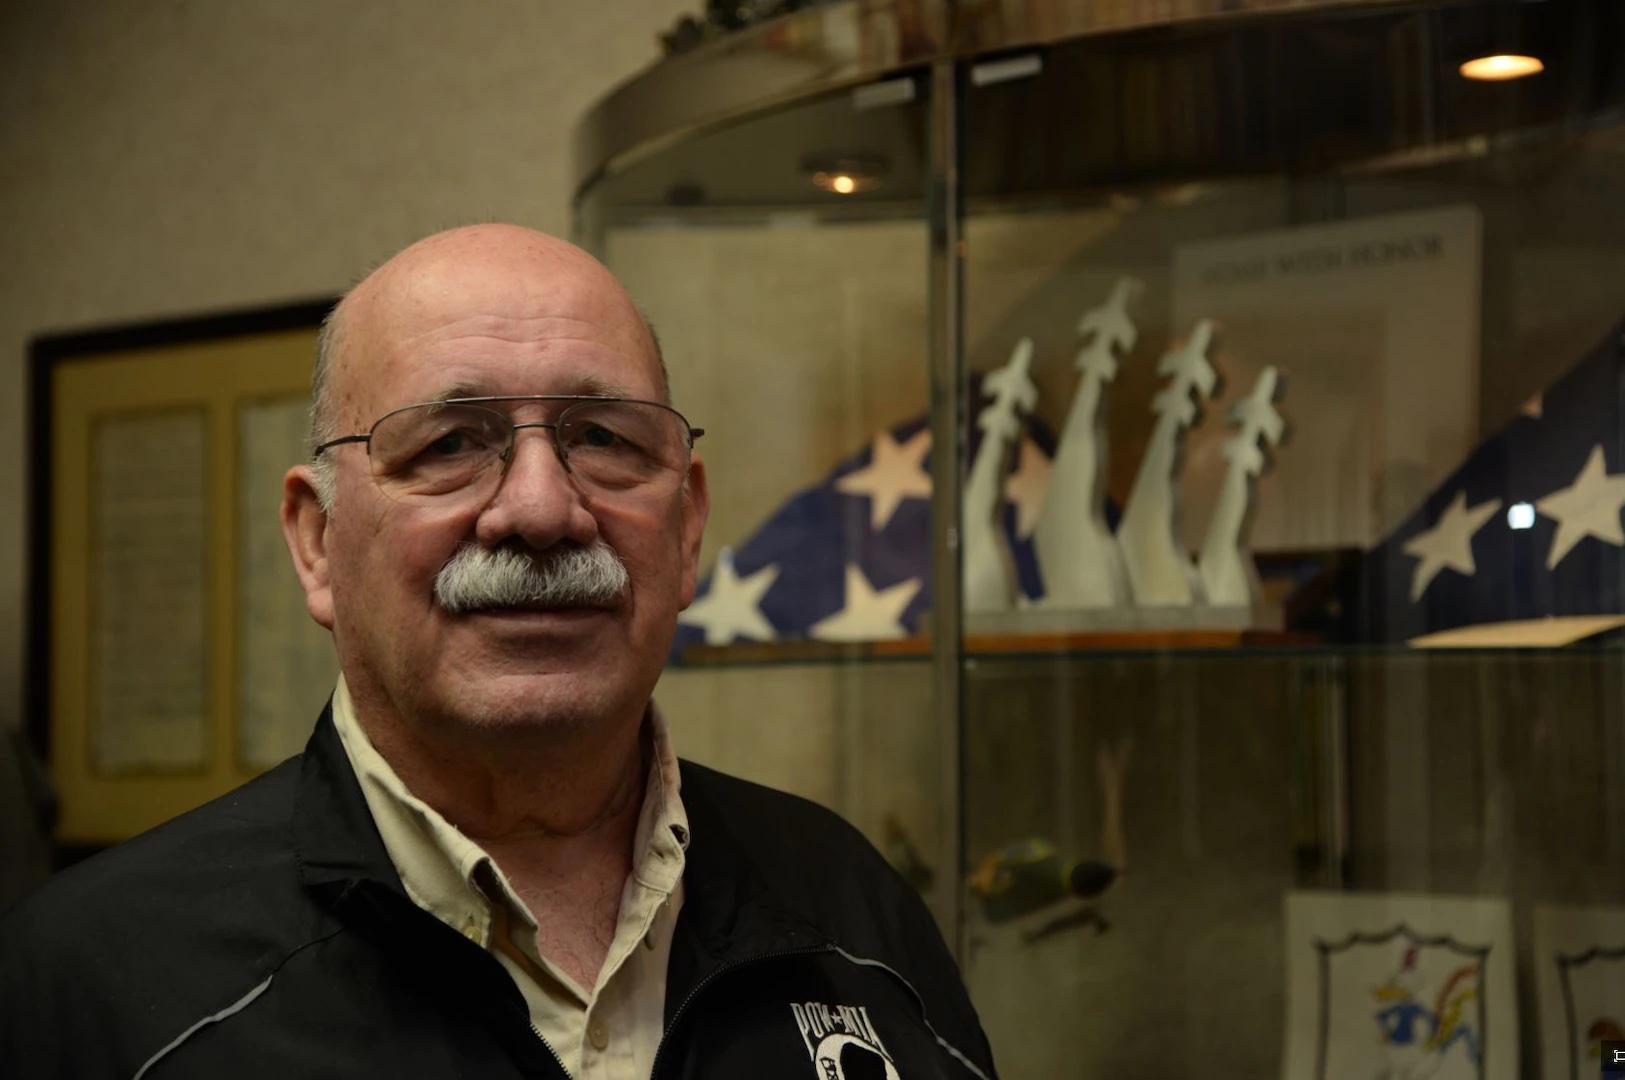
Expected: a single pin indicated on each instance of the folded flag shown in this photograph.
(1528, 528)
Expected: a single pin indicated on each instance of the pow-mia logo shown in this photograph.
(842, 1042)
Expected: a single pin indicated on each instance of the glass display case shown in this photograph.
(1244, 689)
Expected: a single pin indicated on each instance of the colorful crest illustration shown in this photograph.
(1593, 984)
(1398, 1005)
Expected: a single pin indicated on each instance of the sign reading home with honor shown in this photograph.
(1373, 325)
(842, 1042)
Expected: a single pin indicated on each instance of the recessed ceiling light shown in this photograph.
(845, 175)
(844, 182)
(1502, 67)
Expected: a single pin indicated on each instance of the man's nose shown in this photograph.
(536, 500)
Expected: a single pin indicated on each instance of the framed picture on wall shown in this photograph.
(170, 653)
(1580, 985)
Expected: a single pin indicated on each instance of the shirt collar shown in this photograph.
(442, 869)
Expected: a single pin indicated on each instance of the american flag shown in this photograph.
(870, 517)
(1528, 528)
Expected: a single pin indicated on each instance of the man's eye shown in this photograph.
(450, 444)
(598, 438)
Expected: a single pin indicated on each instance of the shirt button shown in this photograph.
(471, 931)
(598, 1034)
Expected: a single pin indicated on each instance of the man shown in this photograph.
(488, 861)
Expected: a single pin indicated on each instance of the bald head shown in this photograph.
(488, 267)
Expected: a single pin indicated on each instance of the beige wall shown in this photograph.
(173, 156)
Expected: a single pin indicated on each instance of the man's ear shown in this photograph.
(696, 509)
(304, 527)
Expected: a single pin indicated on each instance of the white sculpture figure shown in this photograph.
(1077, 553)
(1159, 571)
(1229, 578)
(990, 574)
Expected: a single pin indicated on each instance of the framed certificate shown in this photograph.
(171, 657)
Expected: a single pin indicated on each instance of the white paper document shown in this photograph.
(1401, 987)
(149, 593)
(285, 662)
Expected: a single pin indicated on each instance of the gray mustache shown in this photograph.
(477, 578)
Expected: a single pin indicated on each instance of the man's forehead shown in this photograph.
(579, 384)
(504, 306)
(406, 380)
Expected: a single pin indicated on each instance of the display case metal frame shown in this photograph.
(848, 43)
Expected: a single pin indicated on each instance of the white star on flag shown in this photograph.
(868, 615)
(1449, 543)
(1026, 486)
(894, 473)
(1589, 507)
(732, 607)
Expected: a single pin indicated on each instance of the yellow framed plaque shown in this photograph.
(171, 655)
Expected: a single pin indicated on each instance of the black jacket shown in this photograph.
(267, 935)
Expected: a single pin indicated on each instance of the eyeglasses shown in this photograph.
(462, 447)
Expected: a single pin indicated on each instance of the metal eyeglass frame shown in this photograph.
(551, 425)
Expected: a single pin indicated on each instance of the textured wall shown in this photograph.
(173, 157)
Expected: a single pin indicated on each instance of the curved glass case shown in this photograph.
(1243, 691)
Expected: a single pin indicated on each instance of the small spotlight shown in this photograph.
(1521, 516)
(842, 175)
(1502, 67)
(844, 183)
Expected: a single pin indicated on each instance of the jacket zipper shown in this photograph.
(536, 1031)
(716, 974)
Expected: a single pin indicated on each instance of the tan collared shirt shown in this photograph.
(604, 1032)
